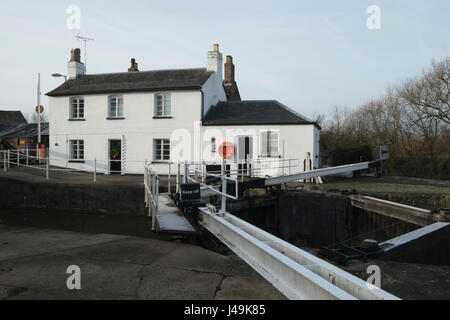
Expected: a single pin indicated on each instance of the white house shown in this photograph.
(121, 120)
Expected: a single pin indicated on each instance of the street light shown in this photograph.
(57, 75)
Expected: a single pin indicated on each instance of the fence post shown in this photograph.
(203, 166)
(9, 157)
(26, 156)
(18, 158)
(223, 207)
(4, 160)
(157, 193)
(145, 183)
(178, 176)
(186, 172)
(46, 168)
(95, 170)
(153, 200)
(170, 177)
(249, 173)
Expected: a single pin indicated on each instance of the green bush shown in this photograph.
(341, 156)
(420, 167)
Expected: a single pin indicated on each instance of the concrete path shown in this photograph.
(169, 217)
(33, 264)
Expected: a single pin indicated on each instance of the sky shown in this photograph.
(309, 55)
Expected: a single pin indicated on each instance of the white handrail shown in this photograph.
(151, 181)
(224, 178)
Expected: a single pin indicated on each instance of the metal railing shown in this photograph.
(23, 158)
(195, 172)
(151, 182)
(253, 167)
(200, 177)
(30, 158)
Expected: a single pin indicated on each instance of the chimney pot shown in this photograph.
(75, 67)
(134, 66)
(75, 55)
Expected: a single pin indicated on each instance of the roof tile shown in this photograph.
(176, 79)
(252, 113)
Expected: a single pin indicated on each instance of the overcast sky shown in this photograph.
(309, 55)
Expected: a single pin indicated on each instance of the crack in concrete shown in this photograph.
(141, 280)
(219, 286)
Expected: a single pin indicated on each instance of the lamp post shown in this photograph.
(57, 75)
(39, 115)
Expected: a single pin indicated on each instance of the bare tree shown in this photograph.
(430, 93)
(33, 117)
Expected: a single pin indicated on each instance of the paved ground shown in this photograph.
(423, 193)
(391, 184)
(33, 264)
(66, 176)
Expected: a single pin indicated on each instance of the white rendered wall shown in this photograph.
(138, 127)
(212, 95)
(294, 142)
(189, 140)
(74, 69)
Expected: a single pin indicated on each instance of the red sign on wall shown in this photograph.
(226, 150)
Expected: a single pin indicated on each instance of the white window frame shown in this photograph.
(116, 108)
(77, 115)
(268, 149)
(79, 143)
(166, 98)
(165, 143)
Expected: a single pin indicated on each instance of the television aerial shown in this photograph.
(85, 40)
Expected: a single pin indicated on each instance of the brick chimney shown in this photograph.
(230, 85)
(134, 66)
(75, 67)
(229, 70)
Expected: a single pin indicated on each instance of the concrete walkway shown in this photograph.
(33, 264)
(66, 176)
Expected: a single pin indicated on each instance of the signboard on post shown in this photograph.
(39, 110)
(190, 191)
(382, 153)
(226, 150)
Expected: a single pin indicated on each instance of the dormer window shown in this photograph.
(76, 108)
(162, 105)
(115, 110)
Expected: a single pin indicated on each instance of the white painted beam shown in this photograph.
(294, 272)
(412, 236)
(318, 173)
(418, 216)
